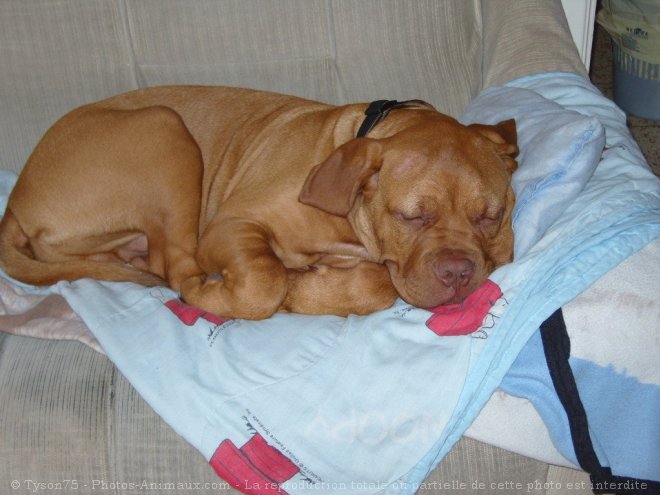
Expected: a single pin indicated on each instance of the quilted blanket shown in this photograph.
(371, 404)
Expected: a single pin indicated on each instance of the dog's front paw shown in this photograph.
(232, 296)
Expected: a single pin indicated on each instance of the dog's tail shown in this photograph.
(17, 260)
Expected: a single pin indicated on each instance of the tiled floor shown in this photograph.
(646, 132)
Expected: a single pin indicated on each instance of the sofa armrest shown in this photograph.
(525, 38)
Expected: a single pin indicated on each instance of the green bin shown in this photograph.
(634, 26)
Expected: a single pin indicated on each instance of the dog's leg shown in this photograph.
(362, 289)
(172, 199)
(173, 245)
(112, 195)
(33, 262)
(243, 276)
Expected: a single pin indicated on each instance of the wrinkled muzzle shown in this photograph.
(439, 276)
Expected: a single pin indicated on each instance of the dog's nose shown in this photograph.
(455, 272)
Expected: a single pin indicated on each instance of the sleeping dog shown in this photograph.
(250, 202)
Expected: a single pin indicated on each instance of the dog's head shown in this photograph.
(432, 202)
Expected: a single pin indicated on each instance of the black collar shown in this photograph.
(379, 109)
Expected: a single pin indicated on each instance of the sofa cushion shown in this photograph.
(63, 54)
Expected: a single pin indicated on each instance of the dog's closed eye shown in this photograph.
(489, 221)
(416, 219)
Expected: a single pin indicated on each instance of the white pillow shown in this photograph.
(559, 151)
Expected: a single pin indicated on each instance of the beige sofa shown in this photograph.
(68, 419)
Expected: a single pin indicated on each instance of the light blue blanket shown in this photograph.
(372, 404)
(622, 407)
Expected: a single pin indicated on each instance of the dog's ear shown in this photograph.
(505, 136)
(333, 185)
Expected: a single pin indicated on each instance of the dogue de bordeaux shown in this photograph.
(250, 202)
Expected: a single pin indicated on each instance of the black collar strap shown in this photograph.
(379, 109)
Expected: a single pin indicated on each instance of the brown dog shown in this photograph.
(251, 202)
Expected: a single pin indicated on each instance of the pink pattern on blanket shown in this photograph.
(468, 316)
(255, 468)
(190, 314)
